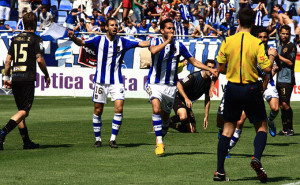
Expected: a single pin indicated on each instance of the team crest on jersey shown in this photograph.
(185, 80)
(121, 90)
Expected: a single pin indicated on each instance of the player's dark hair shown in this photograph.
(185, 22)
(210, 61)
(44, 7)
(110, 19)
(82, 20)
(30, 21)
(202, 18)
(83, 7)
(163, 23)
(246, 17)
(280, 7)
(286, 27)
(106, 2)
(261, 30)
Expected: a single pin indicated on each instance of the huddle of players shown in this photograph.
(161, 83)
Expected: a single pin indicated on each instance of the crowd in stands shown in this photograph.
(194, 18)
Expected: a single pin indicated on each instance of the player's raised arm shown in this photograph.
(154, 49)
(76, 40)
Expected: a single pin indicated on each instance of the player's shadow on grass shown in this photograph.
(134, 144)
(55, 146)
(270, 179)
(186, 153)
(251, 155)
(281, 144)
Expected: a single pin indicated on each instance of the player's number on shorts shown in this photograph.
(99, 90)
(22, 52)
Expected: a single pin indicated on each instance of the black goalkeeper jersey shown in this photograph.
(195, 86)
(23, 49)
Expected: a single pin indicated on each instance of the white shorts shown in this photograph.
(101, 92)
(270, 92)
(165, 93)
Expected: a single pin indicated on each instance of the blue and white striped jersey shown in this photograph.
(179, 29)
(224, 9)
(185, 12)
(213, 16)
(165, 63)
(110, 56)
(258, 18)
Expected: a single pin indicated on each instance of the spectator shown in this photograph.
(150, 12)
(138, 8)
(261, 11)
(92, 27)
(227, 26)
(107, 10)
(179, 30)
(204, 29)
(130, 29)
(201, 9)
(4, 9)
(270, 5)
(72, 18)
(47, 3)
(213, 13)
(81, 27)
(153, 28)
(186, 11)
(114, 3)
(166, 10)
(20, 24)
(244, 4)
(224, 8)
(5, 26)
(290, 3)
(96, 4)
(35, 4)
(272, 24)
(124, 24)
(127, 5)
(97, 16)
(81, 13)
(143, 28)
(23, 4)
(189, 28)
(46, 18)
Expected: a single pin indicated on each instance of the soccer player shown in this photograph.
(242, 92)
(162, 77)
(286, 79)
(110, 50)
(25, 50)
(190, 90)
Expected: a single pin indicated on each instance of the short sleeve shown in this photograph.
(93, 43)
(128, 44)
(221, 55)
(262, 58)
(39, 46)
(184, 52)
(11, 49)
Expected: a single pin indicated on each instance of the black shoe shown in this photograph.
(289, 132)
(113, 144)
(282, 133)
(30, 145)
(2, 138)
(261, 174)
(98, 144)
(220, 177)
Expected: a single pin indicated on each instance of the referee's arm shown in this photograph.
(222, 59)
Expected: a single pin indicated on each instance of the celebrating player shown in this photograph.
(25, 50)
(191, 89)
(162, 77)
(110, 50)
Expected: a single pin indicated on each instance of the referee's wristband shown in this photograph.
(6, 78)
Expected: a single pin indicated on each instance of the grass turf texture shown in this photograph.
(63, 128)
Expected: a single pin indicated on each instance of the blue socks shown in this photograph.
(97, 123)
(116, 124)
(157, 125)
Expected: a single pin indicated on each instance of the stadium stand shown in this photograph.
(65, 5)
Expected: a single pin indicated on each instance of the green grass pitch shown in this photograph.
(63, 128)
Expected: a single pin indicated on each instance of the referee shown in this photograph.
(242, 52)
(25, 50)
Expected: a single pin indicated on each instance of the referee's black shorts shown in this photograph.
(247, 97)
(24, 94)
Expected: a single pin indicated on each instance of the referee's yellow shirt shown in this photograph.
(242, 52)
